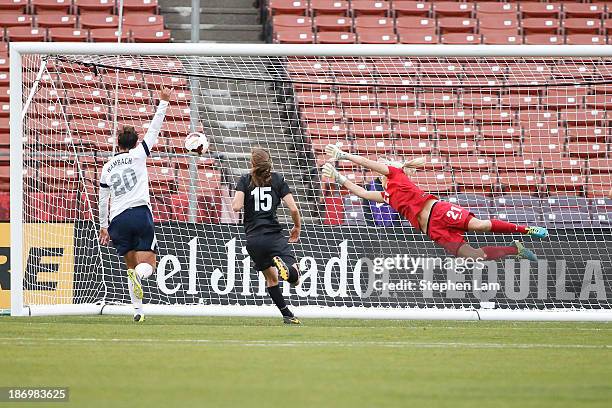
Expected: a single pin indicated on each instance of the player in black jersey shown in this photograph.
(260, 193)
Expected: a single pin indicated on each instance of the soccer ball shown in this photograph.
(196, 142)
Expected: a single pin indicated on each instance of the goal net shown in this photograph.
(519, 138)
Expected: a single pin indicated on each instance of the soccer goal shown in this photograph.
(519, 133)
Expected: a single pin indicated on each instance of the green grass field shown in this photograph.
(108, 361)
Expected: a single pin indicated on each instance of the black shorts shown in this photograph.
(263, 247)
(133, 230)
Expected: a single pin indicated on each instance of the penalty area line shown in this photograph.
(293, 343)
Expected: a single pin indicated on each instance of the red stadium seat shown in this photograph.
(413, 130)
(107, 35)
(599, 185)
(457, 147)
(415, 24)
(178, 113)
(598, 101)
(453, 9)
(375, 23)
(500, 132)
(14, 6)
(411, 147)
(26, 34)
(337, 130)
(543, 39)
(580, 117)
(600, 165)
(540, 25)
(495, 116)
(96, 20)
(460, 38)
(475, 182)
(451, 115)
(521, 181)
(540, 10)
(287, 7)
(356, 98)
(351, 68)
(134, 20)
(42, 7)
(87, 94)
(374, 146)
(418, 38)
(328, 22)
(336, 37)
(316, 98)
(530, 118)
(518, 101)
(456, 25)
(438, 99)
(480, 100)
(128, 111)
(488, 8)
(68, 34)
(377, 38)
(140, 6)
(587, 149)
(88, 110)
(147, 34)
(516, 163)
(471, 163)
(407, 114)
(15, 20)
(94, 5)
(294, 37)
(79, 80)
(364, 114)
(365, 129)
(334, 211)
(495, 147)
(585, 39)
(456, 131)
(411, 8)
(56, 20)
(593, 10)
(321, 114)
(501, 39)
(498, 22)
(581, 26)
(124, 80)
(330, 7)
(587, 134)
(45, 207)
(369, 7)
(564, 182)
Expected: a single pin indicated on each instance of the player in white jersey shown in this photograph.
(124, 183)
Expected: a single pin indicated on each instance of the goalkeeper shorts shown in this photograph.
(262, 247)
(133, 230)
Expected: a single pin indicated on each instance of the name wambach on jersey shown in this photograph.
(125, 174)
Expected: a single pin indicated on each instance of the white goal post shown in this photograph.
(475, 112)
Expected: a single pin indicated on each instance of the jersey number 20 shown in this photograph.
(124, 182)
(263, 198)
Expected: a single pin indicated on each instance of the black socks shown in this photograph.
(279, 301)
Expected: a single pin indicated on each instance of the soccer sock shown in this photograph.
(279, 301)
(294, 274)
(498, 252)
(137, 303)
(504, 227)
(143, 270)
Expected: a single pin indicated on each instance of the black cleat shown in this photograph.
(291, 320)
(139, 317)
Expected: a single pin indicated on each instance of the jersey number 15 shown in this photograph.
(263, 198)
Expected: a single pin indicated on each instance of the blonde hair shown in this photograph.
(409, 167)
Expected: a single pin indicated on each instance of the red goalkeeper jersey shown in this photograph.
(404, 196)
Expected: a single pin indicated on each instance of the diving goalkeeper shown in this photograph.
(443, 222)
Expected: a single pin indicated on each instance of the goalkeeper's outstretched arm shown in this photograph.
(332, 173)
(336, 153)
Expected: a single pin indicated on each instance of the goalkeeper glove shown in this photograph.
(335, 152)
(331, 173)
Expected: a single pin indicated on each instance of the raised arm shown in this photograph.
(150, 138)
(294, 235)
(336, 153)
(332, 173)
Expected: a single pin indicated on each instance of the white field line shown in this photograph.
(293, 343)
(470, 325)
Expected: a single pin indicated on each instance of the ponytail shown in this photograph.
(261, 167)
